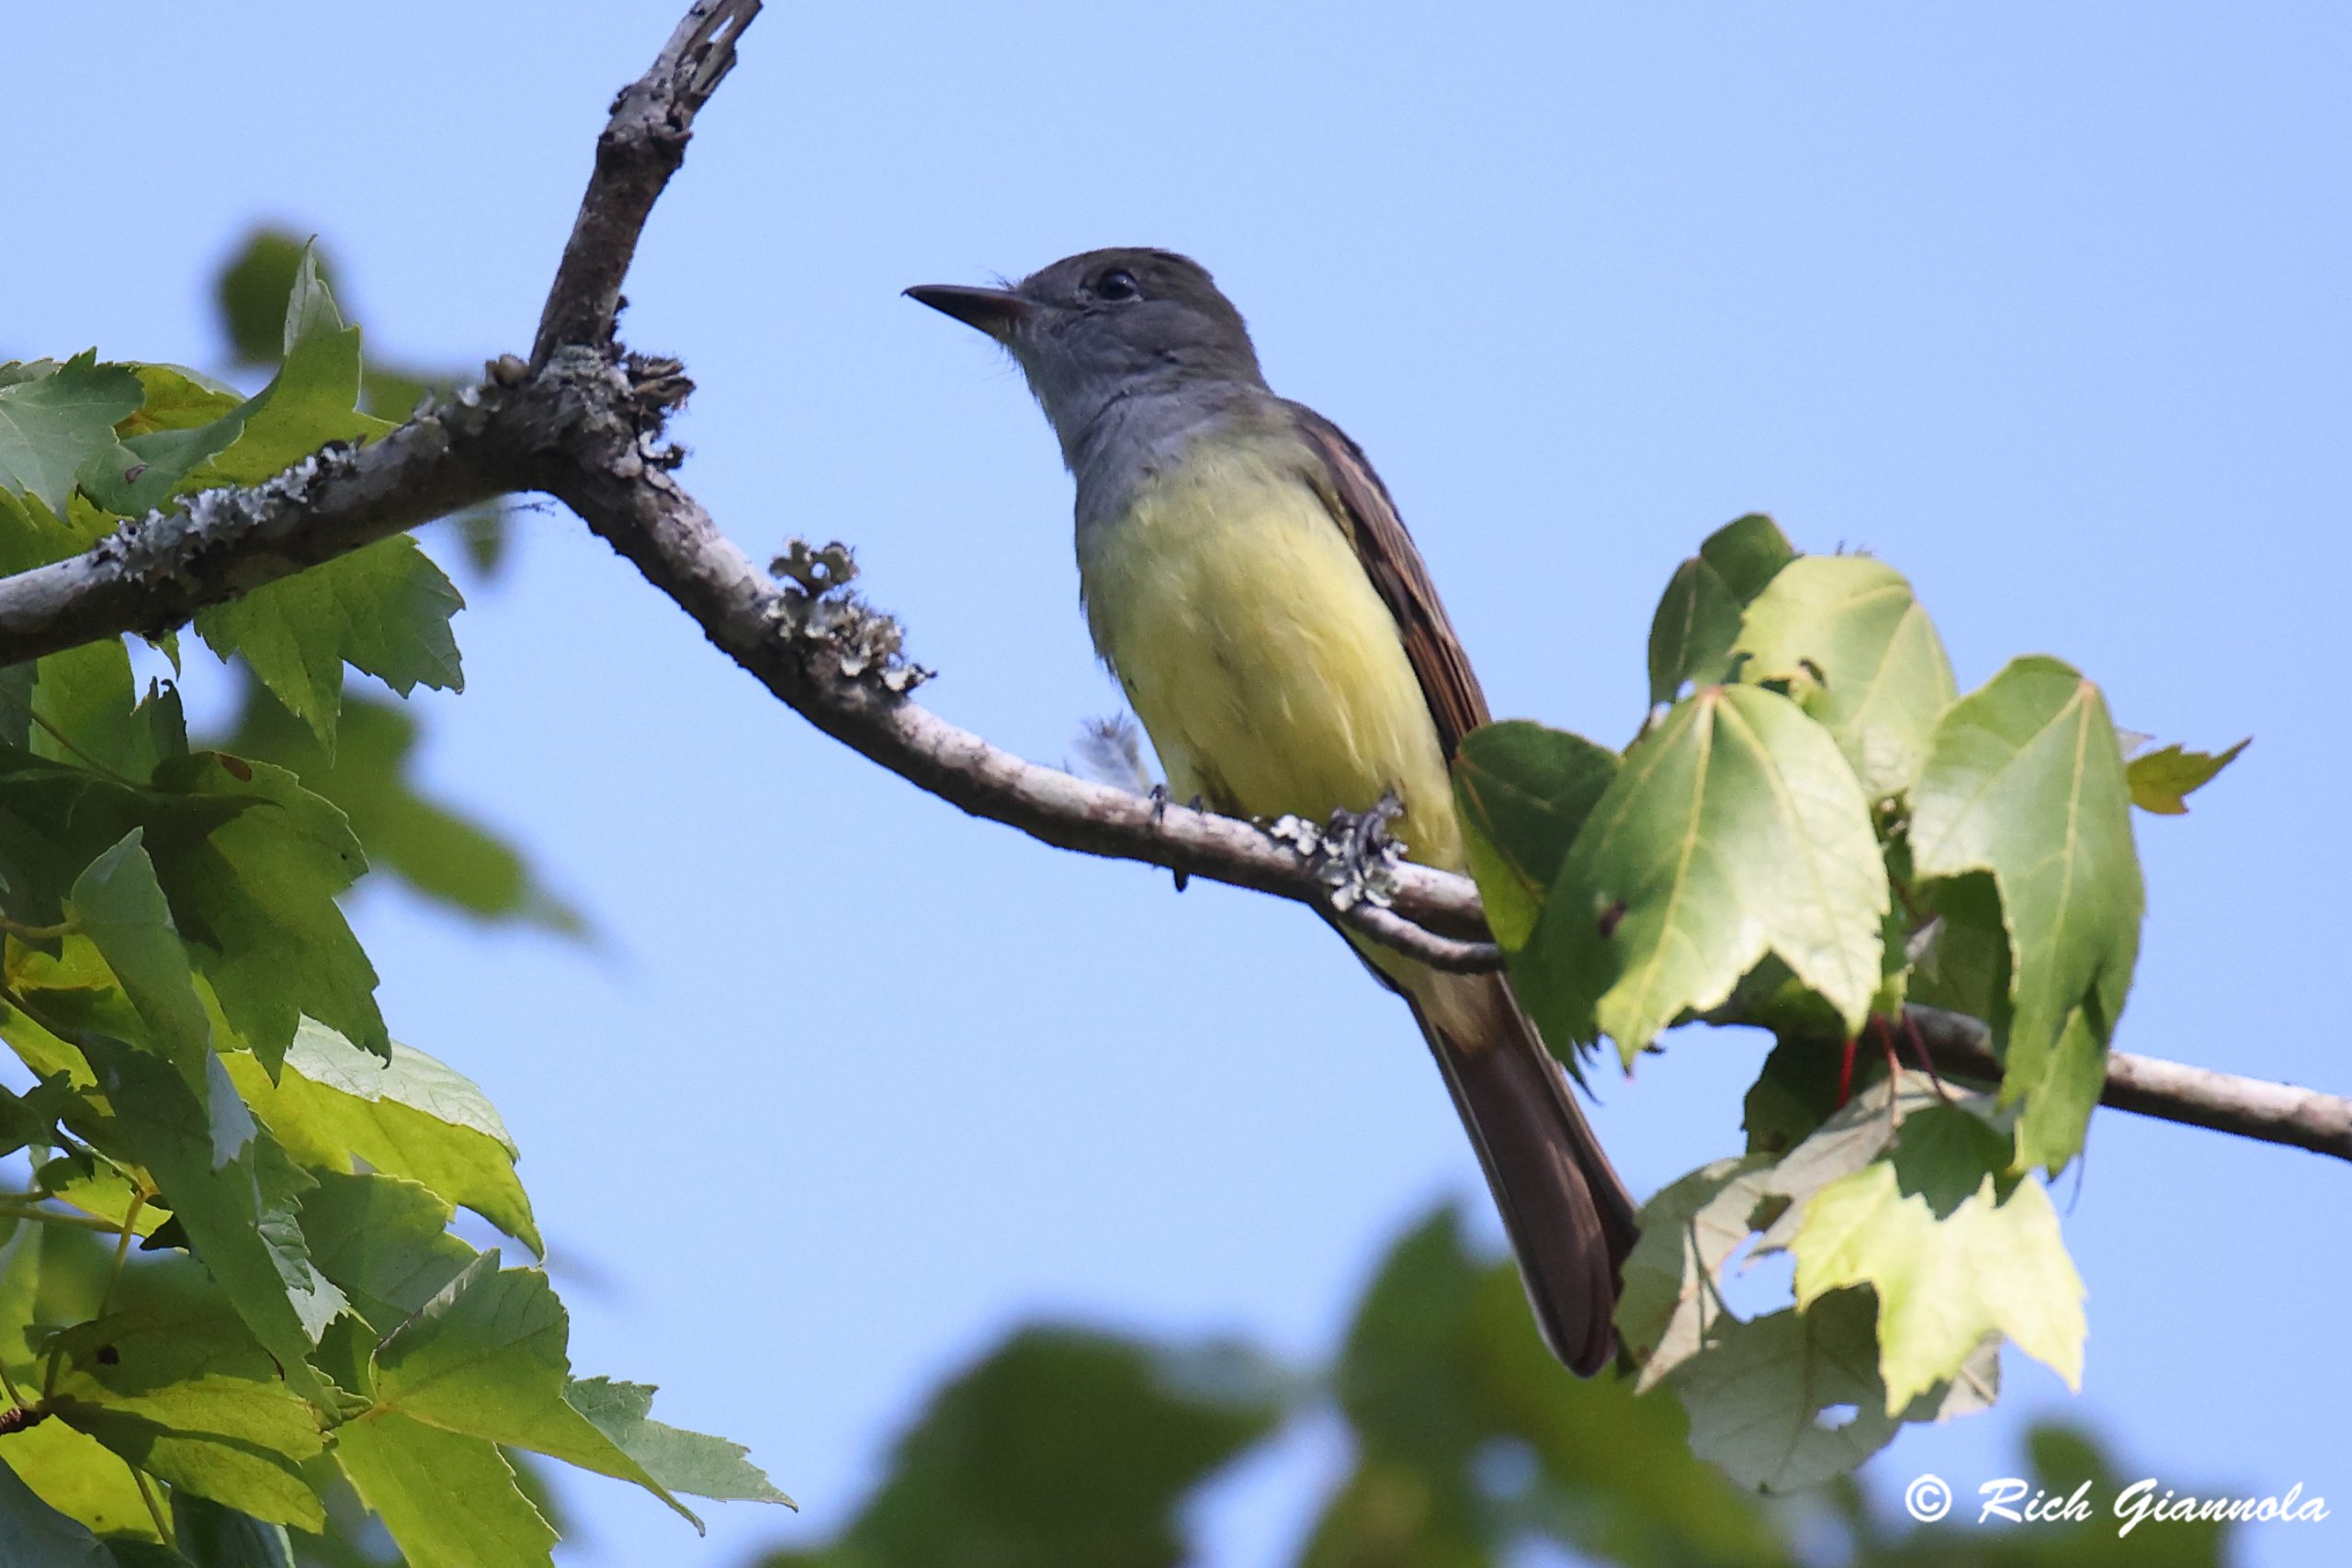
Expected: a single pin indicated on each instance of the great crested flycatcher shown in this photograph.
(1247, 578)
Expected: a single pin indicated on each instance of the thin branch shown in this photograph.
(2170, 1091)
(583, 423)
(641, 147)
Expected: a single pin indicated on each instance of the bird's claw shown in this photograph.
(1358, 853)
(1160, 814)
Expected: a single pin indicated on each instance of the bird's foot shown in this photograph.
(1158, 793)
(1353, 854)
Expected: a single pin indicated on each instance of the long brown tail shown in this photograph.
(1568, 1215)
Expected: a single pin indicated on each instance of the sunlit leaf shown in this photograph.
(1991, 1264)
(411, 1116)
(449, 1500)
(486, 1357)
(682, 1461)
(193, 1400)
(244, 1217)
(2163, 781)
(1859, 655)
(1734, 830)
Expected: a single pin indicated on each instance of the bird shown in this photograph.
(1248, 581)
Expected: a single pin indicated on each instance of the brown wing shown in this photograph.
(1360, 503)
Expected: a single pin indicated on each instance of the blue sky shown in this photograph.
(2045, 305)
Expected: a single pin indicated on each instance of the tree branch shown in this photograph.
(642, 146)
(2170, 1091)
(583, 423)
(152, 575)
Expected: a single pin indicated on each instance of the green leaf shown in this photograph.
(2163, 781)
(1795, 1091)
(189, 1398)
(2025, 782)
(2059, 1098)
(1672, 1300)
(185, 422)
(250, 862)
(176, 397)
(21, 1248)
(98, 1189)
(1523, 791)
(313, 398)
(37, 1536)
(1011, 1462)
(411, 1116)
(210, 1536)
(191, 436)
(1765, 1401)
(384, 609)
(1445, 1376)
(1961, 959)
(1859, 655)
(251, 291)
(32, 1118)
(681, 1461)
(256, 901)
(1400, 1380)
(244, 1217)
(385, 1244)
(1698, 621)
(50, 425)
(486, 1357)
(121, 908)
(1616, 1481)
(87, 696)
(1735, 829)
(81, 1478)
(1991, 1264)
(32, 535)
(1866, 1128)
(448, 1500)
(369, 778)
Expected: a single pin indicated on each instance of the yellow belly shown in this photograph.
(1261, 661)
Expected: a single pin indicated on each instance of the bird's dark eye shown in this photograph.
(1117, 284)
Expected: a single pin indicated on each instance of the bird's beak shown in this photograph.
(996, 311)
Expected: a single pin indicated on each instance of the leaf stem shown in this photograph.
(65, 740)
(16, 1210)
(121, 1249)
(24, 932)
(154, 1505)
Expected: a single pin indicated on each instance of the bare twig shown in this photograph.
(641, 147)
(2171, 1091)
(583, 423)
